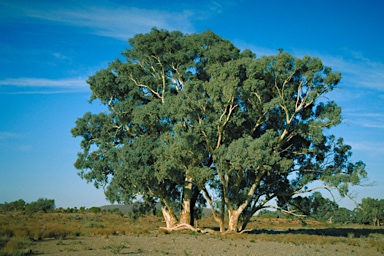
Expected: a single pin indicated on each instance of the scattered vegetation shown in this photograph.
(20, 230)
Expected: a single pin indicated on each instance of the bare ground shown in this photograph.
(193, 244)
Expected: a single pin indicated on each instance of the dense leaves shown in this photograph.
(192, 115)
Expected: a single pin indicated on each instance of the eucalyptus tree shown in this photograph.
(141, 146)
(191, 114)
(263, 121)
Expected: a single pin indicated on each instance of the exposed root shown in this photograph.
(246, 230)
(189, 227)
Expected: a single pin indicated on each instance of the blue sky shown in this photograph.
(49, 48)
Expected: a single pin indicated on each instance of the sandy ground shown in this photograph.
(189, 244)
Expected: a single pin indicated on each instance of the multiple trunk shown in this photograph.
(169, 217)
(187, 211)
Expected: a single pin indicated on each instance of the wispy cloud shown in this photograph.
(374, 148)
(365, 117)
(358, 71)
(106, 19)
(368, 120)
(24, 147)
(259, 50)
(8, 135)
(43, 82)
(60, 56)
(9, 138)
(44, 85)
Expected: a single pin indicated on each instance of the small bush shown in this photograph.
(95, 209)
(116, 249)
(17, 246)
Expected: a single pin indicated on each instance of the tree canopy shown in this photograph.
(190, 118)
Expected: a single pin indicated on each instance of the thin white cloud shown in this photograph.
(105, 18)
(258, 50)
(8, 135)
(60, 56)
(43, 82)
(358, 71)
(365, 117)
(43, 85)
(368, 123)
(24, 147)
(374, 148)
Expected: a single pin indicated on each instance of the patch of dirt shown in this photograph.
(190, 244)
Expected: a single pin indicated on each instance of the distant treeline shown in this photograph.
(41, 205)
(369, 212)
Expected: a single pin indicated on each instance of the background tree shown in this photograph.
(371, 211)
(41, 205)
(314, 206)
(190, 114)
(18, 205)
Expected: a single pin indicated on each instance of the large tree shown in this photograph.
(191, 114)
(142, 146)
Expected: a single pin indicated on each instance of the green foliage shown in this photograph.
(315, 206)
(371, 211)
(189, 113)
(269, 214)
(95, 209)
(41, 205)
(18, 205)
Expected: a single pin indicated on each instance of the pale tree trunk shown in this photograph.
(169, 217)
(233, 220)
(234, 214)
(185, 215)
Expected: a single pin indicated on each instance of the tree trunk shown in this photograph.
(233, 220)
(195, 195)
(185, 214)
(218, 217)
(169, 217)
(246, 220)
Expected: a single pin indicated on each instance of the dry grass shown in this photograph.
(62, 225)
(18, 231)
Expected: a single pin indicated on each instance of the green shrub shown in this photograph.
(41, 205)
(95, 209)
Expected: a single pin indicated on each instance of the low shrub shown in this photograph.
(17, 246)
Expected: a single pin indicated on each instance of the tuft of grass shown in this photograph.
(88, 248)
(17, 246)
(93, 225)
(116, 249)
